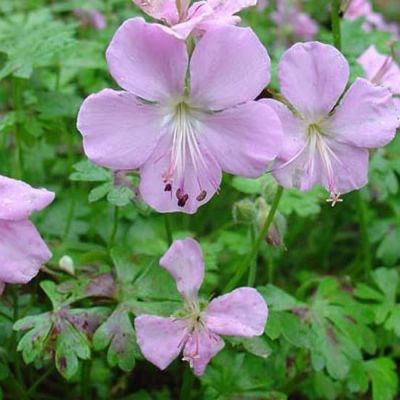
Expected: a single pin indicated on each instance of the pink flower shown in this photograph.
(197, 329)
(180, 131)
(199, 17)
(327, 143)
(22, 250)
(373, 20)
(91, 17)
(291, 21)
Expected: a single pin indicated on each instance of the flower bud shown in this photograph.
(244, 212)
(66, 264)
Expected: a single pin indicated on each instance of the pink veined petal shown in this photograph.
(366, 116)
(242, 312)
(160, 339)
(312, 76)
(22, 251)
(229, 66)
(18, 200)
(200, 348)
(293, 129)
(206, 176)
(119, 131)
(184, 261)
(229, 7)
(164, 10)
(243, 139)
(381, 69)
(147, 61)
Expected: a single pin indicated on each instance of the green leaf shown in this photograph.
(71, 345)
(382, 372)
(120, 196)
(117, 333)
(100, 191)
(124, 264)
(86, 171)
(277, 299)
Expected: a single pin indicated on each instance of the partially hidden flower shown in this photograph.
(196, 330)
(22, 250)
(181, 123)
(292, 23)
(381, 69)
(91, 17)
(363, 9)
(183, 19)
(327, 142)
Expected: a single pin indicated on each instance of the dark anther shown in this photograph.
(182, 201)
(168, 187)
(201, 196)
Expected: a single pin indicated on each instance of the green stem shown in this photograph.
(114, 228)
(187, 384)
(85, 389)
(14, 338)
(16, 92)
(168, 229)
(241, 270)
(365, 242)
(253, 267)
(335, 18)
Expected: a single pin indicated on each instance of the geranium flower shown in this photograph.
(292, 22)
(327, 143)
(183, 19)
(382, 70)
(180, 131)
(363, 9)
(22, 250)
(197, 328)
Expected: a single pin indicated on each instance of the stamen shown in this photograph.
(183, 200)
(201, 196)
(383, 70)
(168, 187)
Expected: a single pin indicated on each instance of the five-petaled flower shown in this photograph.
(327, 143)
(183, 19)
(182, 122)
(196, 330)
(22, 250)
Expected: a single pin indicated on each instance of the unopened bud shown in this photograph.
(244, 212)
(66, 264)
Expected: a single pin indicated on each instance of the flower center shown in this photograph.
(185, 153)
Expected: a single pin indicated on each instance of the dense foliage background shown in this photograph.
(329, 275)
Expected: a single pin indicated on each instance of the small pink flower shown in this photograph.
(180, 131)
(363, 9)
(22, 250)
(183, 19)
(242, 312)
(291, 21)
(91, 17)
(327, 143)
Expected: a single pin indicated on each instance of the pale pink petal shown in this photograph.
(244, 139)
(229, 66)
(160, 339)
(119, 131)
(312, 77)
(242, 312)
(380, 69)
(164, 10)
(366, 117)
(22, 251)
(357, 9)
(184, 261)
(18, 200)
(229, 7)
(200, 347)
(204, 177)
(293, 128)
(147, 61)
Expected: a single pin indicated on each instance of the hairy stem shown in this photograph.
(241, 270)
(114, 228)
(335, 18)
(168, 229)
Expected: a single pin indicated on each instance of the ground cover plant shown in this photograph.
(199, 200)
